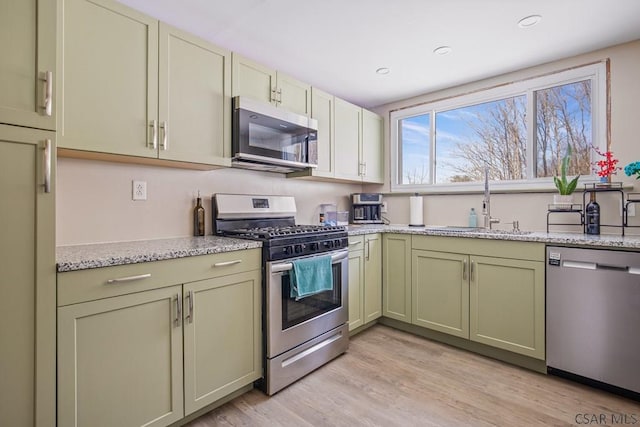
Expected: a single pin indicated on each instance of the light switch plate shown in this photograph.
(139, 190)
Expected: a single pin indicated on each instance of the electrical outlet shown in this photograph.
(139, 190)
(383, 208)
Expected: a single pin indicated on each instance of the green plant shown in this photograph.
(564, 186)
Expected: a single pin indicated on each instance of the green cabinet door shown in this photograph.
(372, 152)
(396, 277)
(507, 304)
(108, 96)
(440, 290)
(356, 282)
(28, 62)
(252, 80)
(194, 99)
(322, 110)
(222, 337)
(293, 95)
(120, 360)
(27, 286)
(347, 127)
(372, 277)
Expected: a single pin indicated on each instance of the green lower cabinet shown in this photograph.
(507, 305)
(496, 300)
(222, 337)
(440, 288)
(356, 288)
(365, 285)
(396, 277)
(120, 361)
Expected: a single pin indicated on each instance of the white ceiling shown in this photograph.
(337, 45)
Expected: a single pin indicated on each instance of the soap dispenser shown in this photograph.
(473, 218)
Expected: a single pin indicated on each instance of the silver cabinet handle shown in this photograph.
(367, 251)
(129, 278)
(279, 100)
(464, 269)
(178, 310)
(190, 306)
(227, 263)
(165, 135)
(359, 242)
(48, 93)
(154, 134)
(47, 166)
(273, 95)
(473, 265)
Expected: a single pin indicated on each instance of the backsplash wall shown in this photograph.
(94, 201)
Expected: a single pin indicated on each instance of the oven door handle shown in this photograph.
(286, 266)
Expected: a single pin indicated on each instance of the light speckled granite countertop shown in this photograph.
(80, 257)
(612, 241)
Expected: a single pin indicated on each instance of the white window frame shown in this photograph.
(597, 73)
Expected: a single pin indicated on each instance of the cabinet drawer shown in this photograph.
(356, 243)
(498, 248)
(93, 284)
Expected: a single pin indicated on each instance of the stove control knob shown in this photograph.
(314, 246)
(336, 243)
(298, 249)
(328, 244)
(288, 250)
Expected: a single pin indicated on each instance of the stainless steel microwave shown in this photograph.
(269, 138)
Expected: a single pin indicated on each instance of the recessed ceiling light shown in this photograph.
(383, 70)
(442, 50)
(529, 21)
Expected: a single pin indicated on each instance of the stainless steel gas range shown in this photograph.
(300, 334)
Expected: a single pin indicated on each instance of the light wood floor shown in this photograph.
(391, 378)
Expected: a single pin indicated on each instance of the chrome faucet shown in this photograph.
(486, 203)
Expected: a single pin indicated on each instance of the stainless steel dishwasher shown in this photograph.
(593, 316)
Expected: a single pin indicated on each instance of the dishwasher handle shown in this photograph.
(600, 266)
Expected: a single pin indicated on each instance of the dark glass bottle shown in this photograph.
(198, 218)
(592, 215)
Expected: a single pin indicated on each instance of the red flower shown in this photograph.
(606, 167)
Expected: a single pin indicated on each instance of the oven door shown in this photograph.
(291, 323)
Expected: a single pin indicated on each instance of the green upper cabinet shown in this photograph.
(195, 99)
(372, 150)
(259, 82)
(133, 86)
(322, 110)
(28, 63)
(109, 78)
(28, 277)
(348, 122)
(359, 140)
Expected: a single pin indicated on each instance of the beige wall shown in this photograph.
(94, 199)
(530, 208)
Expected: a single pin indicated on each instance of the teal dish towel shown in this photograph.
(311, 276)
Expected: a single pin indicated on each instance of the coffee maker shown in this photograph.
(366, 208)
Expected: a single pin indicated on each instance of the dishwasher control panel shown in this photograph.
(554, 258)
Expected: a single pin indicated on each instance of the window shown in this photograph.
(520, 132)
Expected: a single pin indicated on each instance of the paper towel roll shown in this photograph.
(415, 209)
